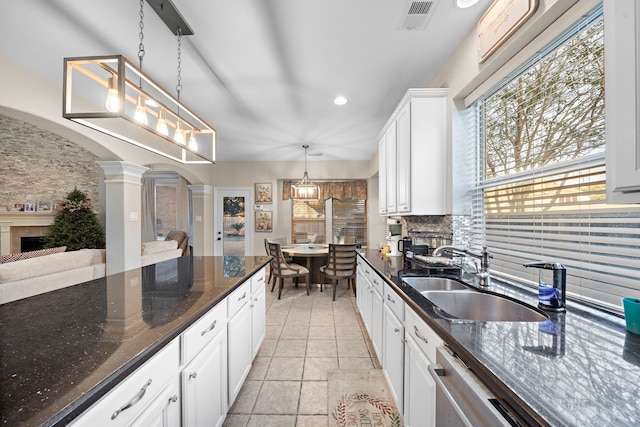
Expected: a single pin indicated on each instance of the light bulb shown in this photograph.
(179, 135)
(113, 104)
(193, 144)
(141, 112)
(161, 126)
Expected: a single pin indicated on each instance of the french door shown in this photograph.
(233, 229)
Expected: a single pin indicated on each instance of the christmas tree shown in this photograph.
(76, 225)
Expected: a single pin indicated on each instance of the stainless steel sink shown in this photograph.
(433, 284)
(471, 305)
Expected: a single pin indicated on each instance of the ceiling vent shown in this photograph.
(417, 14)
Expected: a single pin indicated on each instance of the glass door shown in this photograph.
(233, 221)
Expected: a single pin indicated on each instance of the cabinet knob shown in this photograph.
(173, 399)
(396, 330)
(193, 375)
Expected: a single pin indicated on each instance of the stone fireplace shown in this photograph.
(14, 226)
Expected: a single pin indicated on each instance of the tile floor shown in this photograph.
(305, 336)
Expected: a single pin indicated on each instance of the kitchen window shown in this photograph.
(346, 221)
(540, 181)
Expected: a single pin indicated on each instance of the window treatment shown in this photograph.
(340, 190)
(182, 202)
(148, 210)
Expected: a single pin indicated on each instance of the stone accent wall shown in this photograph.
(429, 230)
(40, 164)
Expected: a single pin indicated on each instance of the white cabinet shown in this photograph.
(164, 411)
(622, 95)
(239, 339)
(419, 387)
(414, 163)
(258, 312)
(376, 323)
(393, 355)
(382, 176)
(204, 385)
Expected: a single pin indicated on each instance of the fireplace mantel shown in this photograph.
(9, 220)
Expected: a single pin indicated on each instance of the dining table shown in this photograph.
(315, 255)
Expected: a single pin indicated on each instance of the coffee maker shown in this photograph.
(394, 236)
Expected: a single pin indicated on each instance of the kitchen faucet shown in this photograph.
(484, 279)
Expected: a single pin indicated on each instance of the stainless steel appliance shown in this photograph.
(461, 399)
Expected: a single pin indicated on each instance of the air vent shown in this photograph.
(417, 14)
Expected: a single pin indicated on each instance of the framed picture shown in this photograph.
(45, 206)
(264, 192)
(29, 207)
(264, 221)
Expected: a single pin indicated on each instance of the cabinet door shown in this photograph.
(204, 385)
(164, 410)
(393, 355)
(376, 323)
(419, 388)
(258, 319)
(403, 132)
(382, 176)
(240, 350)
(390, 137)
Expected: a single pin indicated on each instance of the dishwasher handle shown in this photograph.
(436, 372)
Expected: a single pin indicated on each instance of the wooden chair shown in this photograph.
(341, 265)
(282, 241)
(281, 269)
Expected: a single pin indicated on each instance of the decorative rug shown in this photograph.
(360, 398)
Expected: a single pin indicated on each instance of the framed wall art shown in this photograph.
(29, 207)
(264, 192)
(45, 206)
(264, 221)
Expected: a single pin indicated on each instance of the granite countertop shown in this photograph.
(61, 351)
(580, 368)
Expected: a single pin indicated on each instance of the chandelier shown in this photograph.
(305, 189)
(112, 95)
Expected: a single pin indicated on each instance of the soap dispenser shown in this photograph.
(551, 297)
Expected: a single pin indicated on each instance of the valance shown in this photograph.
(340, 190)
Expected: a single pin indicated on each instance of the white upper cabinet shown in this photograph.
(622, 83)
(414, 166)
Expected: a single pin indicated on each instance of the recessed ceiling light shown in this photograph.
(340, 100)
(463, 4)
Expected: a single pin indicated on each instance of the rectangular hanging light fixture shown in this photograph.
(305, 190)
(113, 96)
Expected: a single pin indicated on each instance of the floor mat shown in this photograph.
(359, 397)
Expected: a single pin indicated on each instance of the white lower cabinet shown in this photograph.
(393, 355)
(164, 411)
(240, 350)
(419, 387)
(258, 312)
(204, 385)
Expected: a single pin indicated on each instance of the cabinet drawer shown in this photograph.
(393, 300)
(257, 281)
(423, 335)
(377, 283)
(129, 398)
(202, 331)
(238, 298)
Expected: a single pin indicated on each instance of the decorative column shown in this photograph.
(123, 188)
(202, 220)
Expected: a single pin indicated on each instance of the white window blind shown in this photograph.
(540, 187)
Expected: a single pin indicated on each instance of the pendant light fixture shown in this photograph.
(137, 110)
(305, 189)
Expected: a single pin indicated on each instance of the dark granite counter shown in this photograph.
(580, 368)
(63, 350)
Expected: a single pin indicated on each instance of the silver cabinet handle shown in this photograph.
(243, 296)
(396, 330)
(210, 328)
(419, 335)
(261, 279)
(436, 371)
(133, 401)
(389, 298)
(173, 399)
(193, 375)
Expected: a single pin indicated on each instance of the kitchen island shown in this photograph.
(60, 352)
(580, 368)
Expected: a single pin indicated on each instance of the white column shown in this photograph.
(123, 189)
(201, 196)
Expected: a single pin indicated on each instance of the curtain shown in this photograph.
(182, 202)
(340, 190)
(148, 214)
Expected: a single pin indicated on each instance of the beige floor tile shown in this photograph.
(285, 368)
(352, 348)
(355, 363)
(315, 368)
(290, 348)
(313, 398)
(312, 421)
(278, 397)
(236, 420)
(323, 318)
(277, 318)
(259, 368)
(321, 332)
(272, 421)
(267, 348)
(295, 332)
(322, 348)
(348, 332)
(246, 398)
(273, 332)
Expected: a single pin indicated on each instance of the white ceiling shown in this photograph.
(263, 73)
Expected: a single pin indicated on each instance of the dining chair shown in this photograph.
(283, 242)
(341, 265)
(281, 269)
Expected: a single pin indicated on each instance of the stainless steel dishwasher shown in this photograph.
(461, 399)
